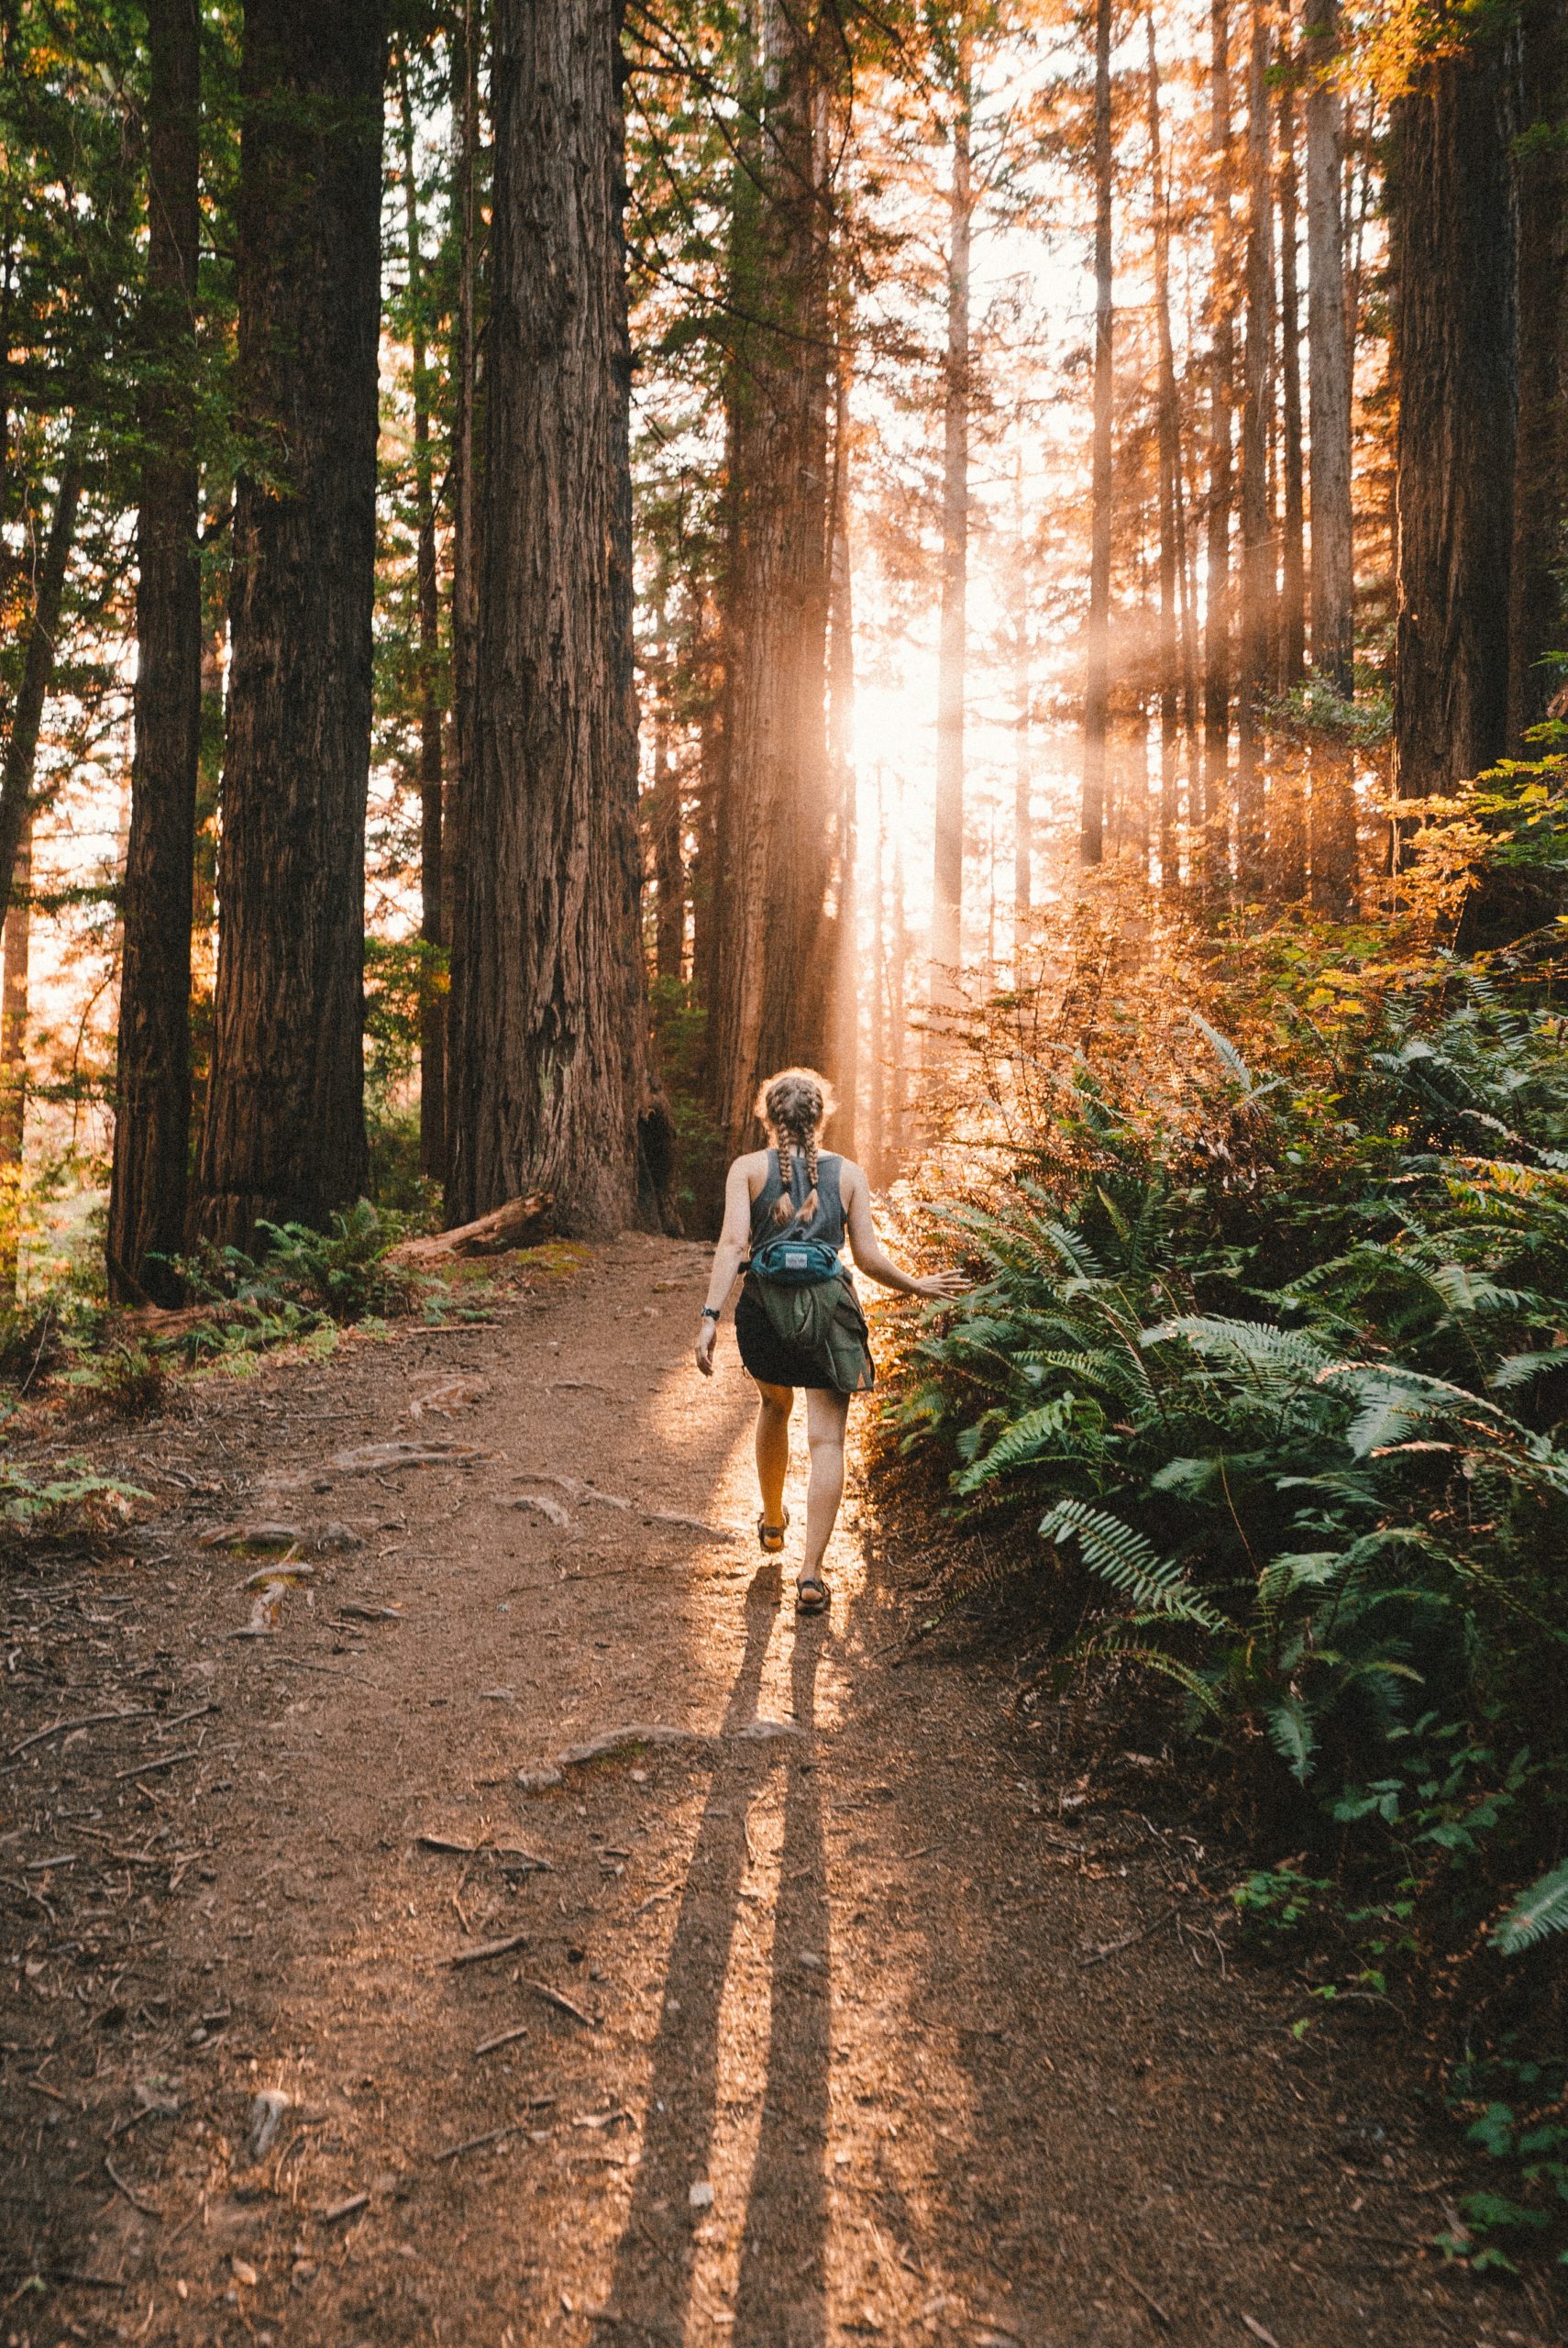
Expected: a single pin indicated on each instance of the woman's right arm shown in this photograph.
(727, 1259)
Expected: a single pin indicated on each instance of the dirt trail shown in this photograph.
(793, 2040)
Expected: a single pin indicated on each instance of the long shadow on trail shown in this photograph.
(781, 2301)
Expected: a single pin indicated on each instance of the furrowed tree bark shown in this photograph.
(464, 474)
(1332, 578)
(1257, 540)
(285, 1136)
(152, 1092)
(549, 1067)
(772, 981)
(1214, 815)
(1540, 497)
(1293, 551)
(1097, 680)
(947, 876)
(431, 924)
(1456, 356)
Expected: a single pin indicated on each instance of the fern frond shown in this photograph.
(1535, 1915)
(1122, 1557)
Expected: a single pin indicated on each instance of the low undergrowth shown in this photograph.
(1275, 1375)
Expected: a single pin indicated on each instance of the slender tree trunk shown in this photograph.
(20, 763)
(549, 1073)
(1328, 360)
(1023, 749)
(432, 928)
(152, 1109)
(665, 813)
(1457, 363)
(285, 1128)
(1215, 812)
(948, 900)
(1540, 497)
(14, 996)
(877, 1139)
(773, 978)
(1258, 538)
(1096, 681)
(17, 783)
(1170, 488)
(841, 746)
(1293, 554)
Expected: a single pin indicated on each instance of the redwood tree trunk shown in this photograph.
(285, 1125)
(21, 756)
(947, 897)
(1170, 485)
(1541, 501)
(1327, 360)
(1096, 680)
(1456, 356)
(432, 928)
(152, 1105)
(772, 985)
(1215, 811)
(14, 1003)
(548, 1076)
(1258, 538)
(1292, 553)
(841, 743)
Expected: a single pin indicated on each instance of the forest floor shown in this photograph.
(834, 2012)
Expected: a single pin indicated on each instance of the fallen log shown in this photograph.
(516, 1224)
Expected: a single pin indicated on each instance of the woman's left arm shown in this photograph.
(872, 1257)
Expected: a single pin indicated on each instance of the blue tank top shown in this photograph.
(825, 1225)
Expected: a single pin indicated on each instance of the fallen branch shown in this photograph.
(515, 1224)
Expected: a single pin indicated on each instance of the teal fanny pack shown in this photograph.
(795, 1263)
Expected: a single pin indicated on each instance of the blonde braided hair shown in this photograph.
(795, 1105)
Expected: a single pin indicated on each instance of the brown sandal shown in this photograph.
(812, 1595)
(771, 1537)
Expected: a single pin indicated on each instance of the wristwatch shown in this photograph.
(712, 1312)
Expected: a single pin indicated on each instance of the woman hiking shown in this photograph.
(799, 1321)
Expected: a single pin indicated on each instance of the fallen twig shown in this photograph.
(167, 1761)
(147, 2208)
(88, 1720)
(1155, 2310)
(502, 2038)
(486, 1949)
(473, 2143)
(557, 1998)
(1129, 1939)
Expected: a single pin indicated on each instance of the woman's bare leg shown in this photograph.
(826, 1415)
(774, 1407)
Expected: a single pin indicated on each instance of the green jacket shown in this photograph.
(827, 1323)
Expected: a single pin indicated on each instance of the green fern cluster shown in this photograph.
(1305, 1433)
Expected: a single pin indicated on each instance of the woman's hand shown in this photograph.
(943, 1284)
(707, 1337)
